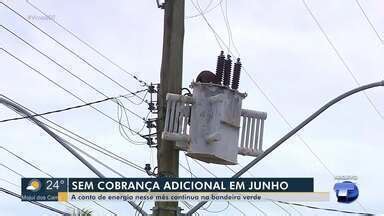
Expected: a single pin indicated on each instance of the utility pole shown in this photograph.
(170, 82)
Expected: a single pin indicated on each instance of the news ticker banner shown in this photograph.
(170, 189)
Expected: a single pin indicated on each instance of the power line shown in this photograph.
(209, 25)
(68, 146)
(61, 110)
(41, 171)
(67, 70)
(285, 210)
(217, 37)
(10, 169)
(25, 161)
(296, 210)
(281, 207)
(71, 73)
(369, 21)
(267, 97)
(33, 202)
(206, 169)
(338, 54)
(69, 50)
(87, 44)
(190, 171)
(96, 160)
(324, 209)
(9, 182)
(122, 113)
(206, 10)
(69, 92)
(83, 140)
(228, 26)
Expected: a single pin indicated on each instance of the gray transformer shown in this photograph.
(211, 126)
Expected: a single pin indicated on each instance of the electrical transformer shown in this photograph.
(211, 125)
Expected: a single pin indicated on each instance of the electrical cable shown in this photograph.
(189, 167)
(273, 105)
(229, 32)
(369, 22)
(88, 44)
(25, 161)
(235, 207)
(9, 182)
(68, 49)
(60, 110)
(65, 69)
(33, 202)
(96, 160)
(324, 209)
(68, 146)
(121, 113)
(206, 169)
(209, 25)
(206, 10)
(35, 167)
(10, 169)
(342, 60)
(69, 92)
(17, 173)
(281, 207)
(82, 140)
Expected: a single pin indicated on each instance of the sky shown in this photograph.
(291, 67)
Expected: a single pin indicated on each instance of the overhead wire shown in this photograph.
(9, 182)
(87, 44)
(225, 14)
(68, 49)
(33, 202)
(281, 207)
(296, 210)
(63, 142)
(27, 1)
(66, 90)
(43, 172)
(369, 22)
(210, 172)
(209, 25)
(25, 161)
(66, 69)
(324, 209)
(13, 171)
(206, 9)
(61, 110)
(220, 42)
(268, 99)
(10, 169)
(341, 58)
(96, 160)
(121, 115)
(194, 175)
(82, 140)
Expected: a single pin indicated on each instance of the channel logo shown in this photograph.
(346, 192)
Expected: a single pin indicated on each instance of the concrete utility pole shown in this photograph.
(170, 82)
